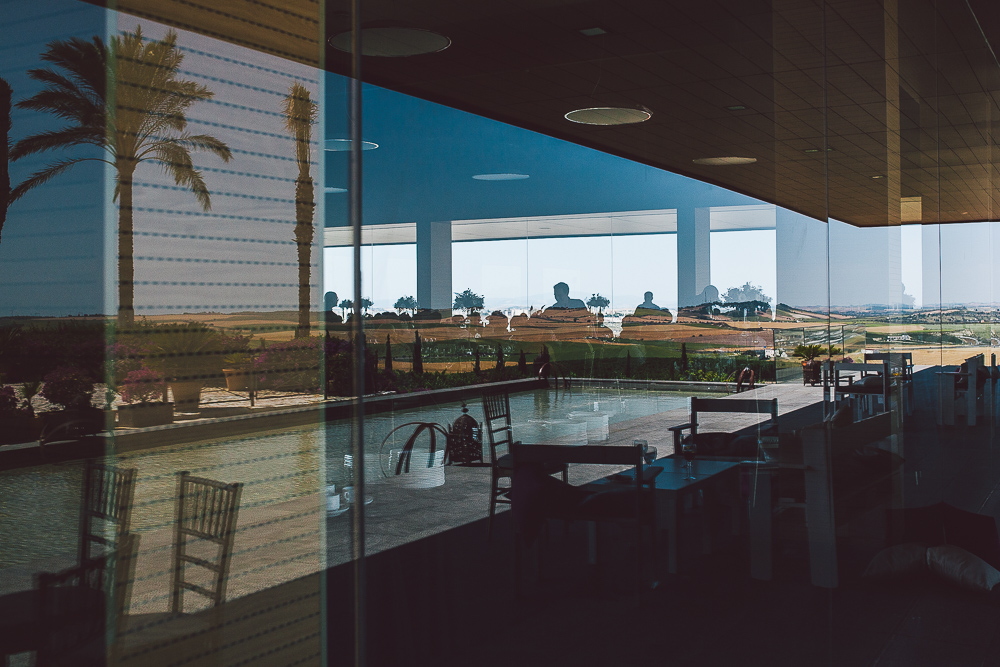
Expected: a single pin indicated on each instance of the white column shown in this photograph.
(434, 265)
(694, 254)
(931, 267)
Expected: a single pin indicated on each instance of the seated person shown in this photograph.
(561, 292)
(647, 307)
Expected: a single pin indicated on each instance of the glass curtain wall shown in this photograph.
(181, 318)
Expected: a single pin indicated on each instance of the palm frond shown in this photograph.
(176, 161)
(54, 140)
(42, 176)
(205, 142)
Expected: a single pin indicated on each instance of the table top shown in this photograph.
(673, 477)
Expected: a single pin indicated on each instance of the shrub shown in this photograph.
(143, 385)
(68, 386)
(8, 400)
(291, 365)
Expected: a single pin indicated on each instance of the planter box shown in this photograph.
(186, 394)
(71, 424)
(141, 415)
(22, 428)
(237, 379)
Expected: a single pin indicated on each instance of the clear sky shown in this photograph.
(58, 254)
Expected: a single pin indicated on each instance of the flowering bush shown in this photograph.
(292, 365)
(143, 385)
(68, 387)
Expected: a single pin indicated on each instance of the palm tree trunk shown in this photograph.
(126, 263)
(303, 239)
(5, 95)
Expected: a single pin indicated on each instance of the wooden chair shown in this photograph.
(63, 619)
(630, 503)
(732, 405)
(206, 516)
(496, 422)
(107, 497)
(206, 511)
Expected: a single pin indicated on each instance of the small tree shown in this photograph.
(405, 303)
(500, 362)
(522, 364)
(684, 357)
(418, 363)
(388, 354)
(468, 301)
(598, 302)
(345, 306)
(366, 303)
(628, 364)
(808, 352)
(475, 364)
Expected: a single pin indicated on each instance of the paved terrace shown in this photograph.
(283, 539)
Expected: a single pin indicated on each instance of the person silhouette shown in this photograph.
(647, 304)
(561, 292)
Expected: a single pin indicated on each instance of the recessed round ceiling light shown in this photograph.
(393, 42)
(714, 161)
(340, 145)
(608, 116)
(501, 177)
(331, 191)
(878, 176)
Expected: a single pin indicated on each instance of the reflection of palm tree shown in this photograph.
(300, 113)
(145, 121)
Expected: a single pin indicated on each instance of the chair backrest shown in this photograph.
(630, 455)
(496, 423)
(107, 498)
(743, 405)
(206, 513)
(72, 604)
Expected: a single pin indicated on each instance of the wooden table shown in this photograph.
(716, 483)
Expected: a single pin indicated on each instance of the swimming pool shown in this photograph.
(39, 506)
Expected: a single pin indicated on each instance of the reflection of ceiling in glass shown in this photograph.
(905, 92)
(624, 223)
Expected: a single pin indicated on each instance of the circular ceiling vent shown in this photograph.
(393, 42)
(719, 161)
(500, 177)
(609, 116)
(341, 145)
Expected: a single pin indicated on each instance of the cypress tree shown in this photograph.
(418, 363)
(388, 354)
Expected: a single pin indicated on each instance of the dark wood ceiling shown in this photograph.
(876, 101)
(851, 105)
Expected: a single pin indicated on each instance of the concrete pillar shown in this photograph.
(694, 255)
(802, 260)
(930, 269)
(434, 265)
